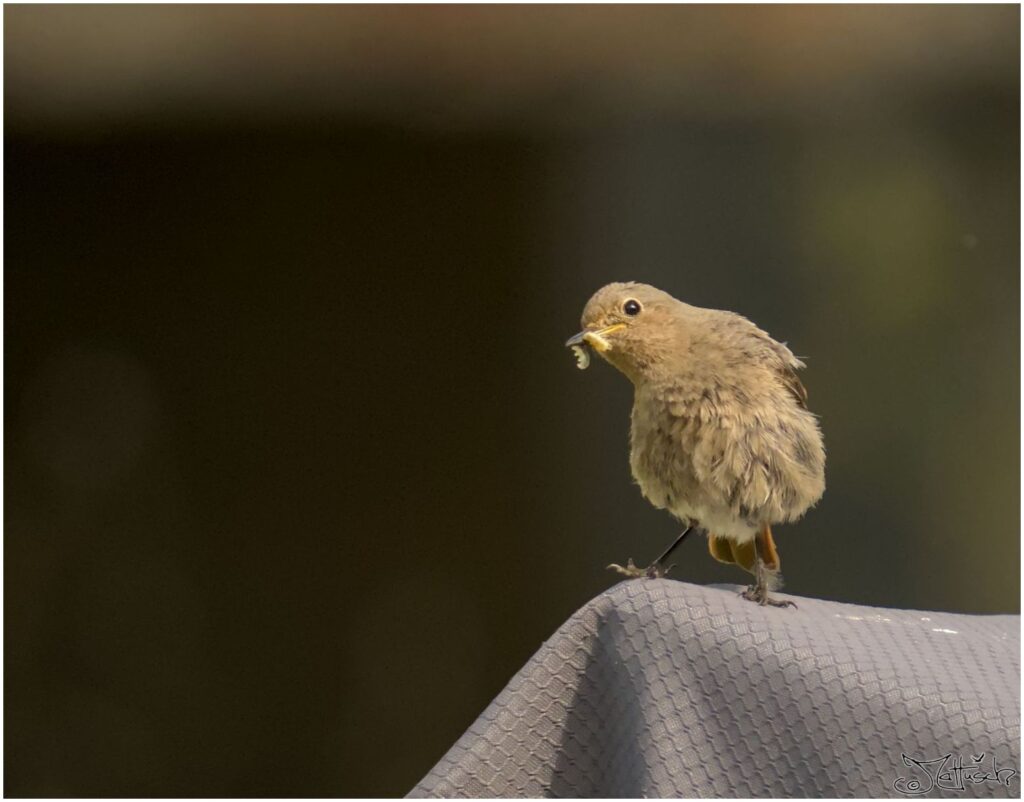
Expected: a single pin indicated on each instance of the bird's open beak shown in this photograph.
(595, 338)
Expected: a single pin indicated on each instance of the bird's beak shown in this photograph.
(595, 338)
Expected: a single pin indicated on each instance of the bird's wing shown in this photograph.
(783, 363)
(793, 384)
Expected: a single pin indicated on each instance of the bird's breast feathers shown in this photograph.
(726, 457)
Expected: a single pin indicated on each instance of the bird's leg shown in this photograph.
(655, 569)
(758, 592)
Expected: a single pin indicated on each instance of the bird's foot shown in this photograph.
(652, 571)
(759, 594)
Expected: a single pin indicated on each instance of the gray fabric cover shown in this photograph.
(660, 688)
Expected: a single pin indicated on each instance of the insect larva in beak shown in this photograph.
(582, 357)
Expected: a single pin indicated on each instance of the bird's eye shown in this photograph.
(631, 307)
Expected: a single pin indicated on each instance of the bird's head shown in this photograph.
(635, 327)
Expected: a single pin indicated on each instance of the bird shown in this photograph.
(721, 435)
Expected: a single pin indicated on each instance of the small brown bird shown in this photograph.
(721, 436)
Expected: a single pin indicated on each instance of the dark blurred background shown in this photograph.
(298, 471)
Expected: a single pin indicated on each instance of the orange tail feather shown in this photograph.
(767, 550)
(742, 554)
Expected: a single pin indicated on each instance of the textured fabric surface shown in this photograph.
(659, 688)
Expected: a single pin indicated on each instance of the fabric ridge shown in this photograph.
(658, 688)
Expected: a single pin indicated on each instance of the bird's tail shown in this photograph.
(742, 554)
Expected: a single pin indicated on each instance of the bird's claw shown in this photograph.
(630, 570)
(760, 595)
(652, 571)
